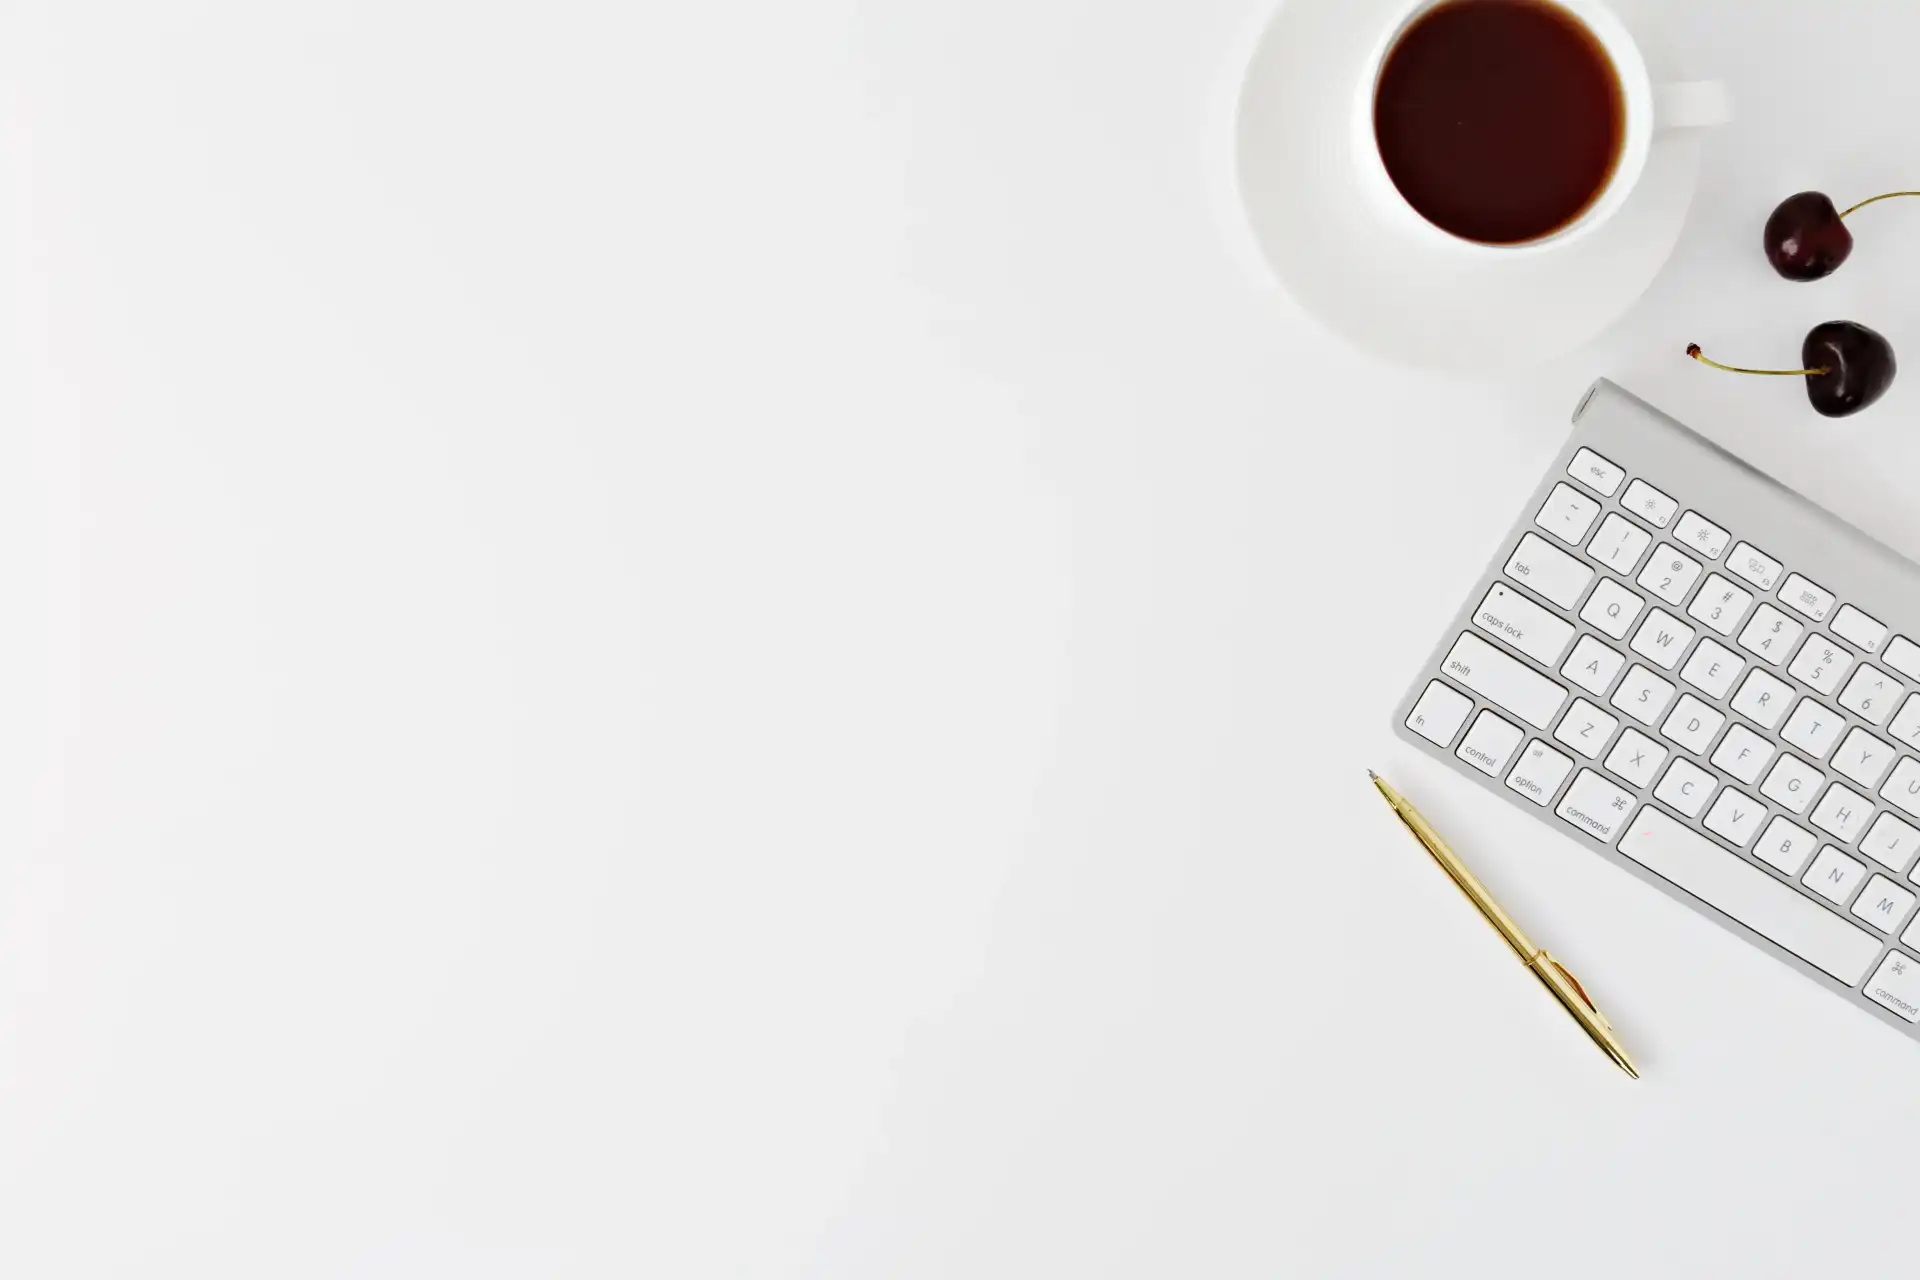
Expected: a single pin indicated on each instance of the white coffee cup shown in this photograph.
(1647, 109)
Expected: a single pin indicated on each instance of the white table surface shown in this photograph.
(730, 642)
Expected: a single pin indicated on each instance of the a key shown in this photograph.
(1647, 502)
(1489, 744)
(1611, 609)
(1636, 757)
(1712, 668)
(1662, 638)
(1595, 806)
(1763, 699)
(1592, 666)
(1743, 753)
(1586, 728)
(1670, 574)
(1720, 604)
(1511, 617)
(1504, 681)
(1701, 534)
(1693, 724)
(1792, 784)
(1906, 725)
(1804, 596)
(1539, 772)
(1594, 471)
(1642, 695)
(1735, 887)
(1834, 876)
(1891, 842)
(1821, 664)
(1687, 787)
(1771, 634)
(1813, 728)
(1883, 904)
(1619, 544)
(1547, 569)
(1756, 566)
(1863, 758)
(1568, 514)
(1903, 655)
(1902, 787)
(1870, 694)
(1439, 714)
(1735, 818)
(1842, 814)
(1865, 631)
(1896, 984)
(1785, 847)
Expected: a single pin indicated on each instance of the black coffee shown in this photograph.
(1499, 120)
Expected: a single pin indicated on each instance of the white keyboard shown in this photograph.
(1717, 683)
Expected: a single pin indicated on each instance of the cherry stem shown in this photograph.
(1693, 349)
(1888, 196)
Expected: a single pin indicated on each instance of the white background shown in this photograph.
(690, 641)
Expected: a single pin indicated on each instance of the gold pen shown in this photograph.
(1552, 974)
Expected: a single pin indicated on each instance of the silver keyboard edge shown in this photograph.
(1648, 443)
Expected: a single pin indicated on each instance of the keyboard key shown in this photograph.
(1593, 666)
(1594, 471)
(1662, 638)
(1701, 534)
(1810, 598)
(1439, 714)
(1771, 634)
(1891, 842)
(1906, 725)
(1749, 895)
(1814, 728)
(1568, 514)
(1507, 614)
(1896, 984)
(1619, 544)
(1743, 754)
(1636, 757)
(1763, 699)
(1504, 681)
(1651, 505)
(1883, 904)
(1489, 744)
(1793, 784)
(1720, 604)
(1612, 608)
(1548, 570)
(1903, 655)
(1687, 787)
(1735, 817)
(1851, 624)
(1712, 668)
(1863, 758)
(1670, 575)
(1821, 663)
(1756, 566)
(1693, 724)
(1842, 814)
(1834, 876)
(1586, 728)
(1539, 773)
(1643, 695)
(1595, 806)
(1785, 847)
(1902, 789)
(1870, 694)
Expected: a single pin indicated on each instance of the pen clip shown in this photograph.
(1578, 990)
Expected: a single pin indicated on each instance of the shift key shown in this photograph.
(1504, 681)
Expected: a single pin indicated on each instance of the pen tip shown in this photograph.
(1373, 775)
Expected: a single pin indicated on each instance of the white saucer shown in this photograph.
(1338, 254)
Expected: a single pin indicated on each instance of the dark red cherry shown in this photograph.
(1847, 367)
(1806, 238)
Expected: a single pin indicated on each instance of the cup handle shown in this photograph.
(1691, 104)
